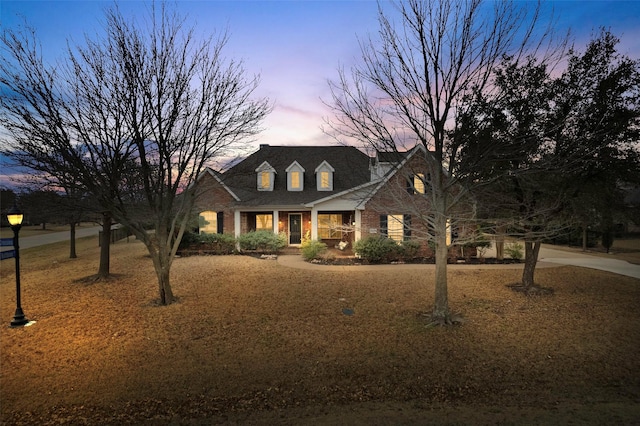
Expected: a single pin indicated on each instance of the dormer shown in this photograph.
(295, 177)
(265, 176)
(324, 176)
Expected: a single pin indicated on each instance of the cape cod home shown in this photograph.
(336, 194)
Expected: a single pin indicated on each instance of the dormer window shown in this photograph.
(324, 176)
(266, 176)
(295, 177)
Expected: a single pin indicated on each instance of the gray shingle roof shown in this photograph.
(351, 169)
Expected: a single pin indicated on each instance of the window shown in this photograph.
(266, 175)
(265, 180)
(418, 183)
(324, 180)
(329, 226)
(264, 222)
(396, 226)
(295, 177)
(208, 222)
(295, 180)
(324, 177)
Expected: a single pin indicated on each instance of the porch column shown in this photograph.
(358, 231)
(314, 223)
(275, 222)
(236, 223)
(236, 227)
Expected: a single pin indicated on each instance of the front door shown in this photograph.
(295, 229)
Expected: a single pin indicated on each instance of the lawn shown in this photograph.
(251, 341)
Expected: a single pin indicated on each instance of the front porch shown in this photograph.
(330, 227)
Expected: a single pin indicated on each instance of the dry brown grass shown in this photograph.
(251, 341)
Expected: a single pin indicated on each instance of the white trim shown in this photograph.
(275, 219)
(314, 223)
(236, 227)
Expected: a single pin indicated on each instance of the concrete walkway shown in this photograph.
(547, 258)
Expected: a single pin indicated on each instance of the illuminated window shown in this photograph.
(265, 180)
(329, 226)
(295, 176)
(324, 177)
(324, 180)
(418, 183)
(295, 180)
(208, 222)
(264, 222)
(266, 175)
(396, 227)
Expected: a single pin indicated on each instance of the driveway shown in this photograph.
(585, 260)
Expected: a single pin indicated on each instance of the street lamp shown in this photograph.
(14, 216)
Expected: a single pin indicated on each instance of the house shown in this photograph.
(332, 193)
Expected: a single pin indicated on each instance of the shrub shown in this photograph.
(188, 239)
(480, 243)
(409, 249)
(514, 251)
(262, 241)
(312, 249)
(376, 249)
(220, 243)
(217, 243)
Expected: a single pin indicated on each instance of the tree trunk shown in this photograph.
(441, 303)
(72, 240)
(162, 260)
(105, 242)
(500, 230)
(164, 285)
(531, 251)
(584, 238)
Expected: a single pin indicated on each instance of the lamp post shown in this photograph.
(14, 216)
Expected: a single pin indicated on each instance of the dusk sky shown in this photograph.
(296, 46)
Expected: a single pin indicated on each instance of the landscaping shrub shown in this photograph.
(312, 249)
(481, 244)
(188, 239)
(262, 241)
(409, 249)
(514, 251)
(376, 249)
(215, 243)
(219, 243)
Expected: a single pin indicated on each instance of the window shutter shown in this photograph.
(383, 225)
(410, 188)
(406, 222)
(220, 223)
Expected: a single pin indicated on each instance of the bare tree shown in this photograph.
(411, 81)
(134, 118)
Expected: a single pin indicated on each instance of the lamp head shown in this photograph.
(14, 216)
